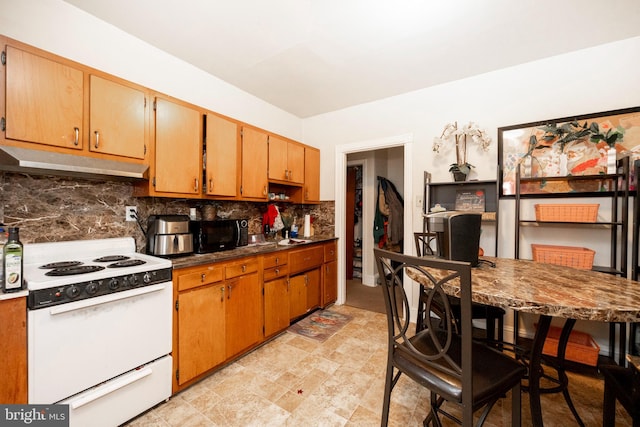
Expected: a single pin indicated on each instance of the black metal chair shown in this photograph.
(443, 356)
(622, 384)
(493, 316)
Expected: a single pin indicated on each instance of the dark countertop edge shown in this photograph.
(241, 252)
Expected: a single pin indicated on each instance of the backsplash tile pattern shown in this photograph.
(51, 209)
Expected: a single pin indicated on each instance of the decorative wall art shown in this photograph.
(571, 146)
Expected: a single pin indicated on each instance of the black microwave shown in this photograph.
(219, 235)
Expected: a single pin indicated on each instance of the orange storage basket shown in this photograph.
(581, 347)
(569, 256)
(567, 213)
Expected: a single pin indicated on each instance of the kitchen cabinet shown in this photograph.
(199, 322)
(44, 100)
(311, 175)
(305, 278)
(286, 160)
(177, 169)
(223, 157)
(117, 120)
(276, 293)
(255, 151)
(330, 274)
(58, 105)
(243, 306)
(13, 336)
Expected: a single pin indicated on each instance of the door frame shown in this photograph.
(341, 151)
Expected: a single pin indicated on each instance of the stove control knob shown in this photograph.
(113, 284)
(134, 280)
(92, 288)
(146, 278)
(72, 291)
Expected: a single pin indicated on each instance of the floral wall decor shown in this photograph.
(581, 145)
(457, 138)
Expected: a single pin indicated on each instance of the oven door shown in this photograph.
(78, 345)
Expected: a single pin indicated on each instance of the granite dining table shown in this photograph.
(550, 291)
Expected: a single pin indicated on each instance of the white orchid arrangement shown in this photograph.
(451, 132)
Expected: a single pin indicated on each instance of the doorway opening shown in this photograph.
(389, 156)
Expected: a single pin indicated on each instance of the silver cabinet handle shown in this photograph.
(76, 131)
(202, 277)
(195, 188)
(97, 139)
(210, 184)
(221, 293)
(286, 174)
(244, 268)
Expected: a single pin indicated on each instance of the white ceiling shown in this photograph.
(310, 57)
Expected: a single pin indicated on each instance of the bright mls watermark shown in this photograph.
(34, 415)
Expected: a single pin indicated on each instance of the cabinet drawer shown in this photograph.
(305, 259)
(275, 260)
(239, 268)
(201, 276)
(275, 272)
(330, 251)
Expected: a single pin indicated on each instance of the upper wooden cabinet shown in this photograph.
(178, 148)
(117, 119)
(254, 164)
(311, 192)
(54, 104)
(286, 160)
(223, 155)
(44, 100)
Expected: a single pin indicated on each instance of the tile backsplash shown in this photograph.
(51, 209)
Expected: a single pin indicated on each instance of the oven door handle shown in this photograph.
(111, 387)
(65, 308)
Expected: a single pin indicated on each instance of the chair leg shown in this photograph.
(516, 406)
(609, 405)
(388, 386)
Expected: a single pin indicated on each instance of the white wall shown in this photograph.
(64, 30)
(566, 85)
(586, 81)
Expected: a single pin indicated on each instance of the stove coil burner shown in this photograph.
(61, 264)
(111, 258)
(77, 269)
(127, 263)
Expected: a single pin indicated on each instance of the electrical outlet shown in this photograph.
(130, 213)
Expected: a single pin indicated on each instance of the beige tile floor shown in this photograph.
(294, 381)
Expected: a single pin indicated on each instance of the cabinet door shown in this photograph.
(314, 278)
(276, 306)
(297, 296)
(201, 329)
(311, 174)
(178, 137)
(223, 157)
(254, 164)
(117, 119)
(278, 168)
(43, 100)
(243, 313)
(295, 162)
(330, 283)
(13, 336)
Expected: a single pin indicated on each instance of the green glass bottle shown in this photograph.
(12, 261)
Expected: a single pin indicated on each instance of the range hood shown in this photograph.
(17, 159)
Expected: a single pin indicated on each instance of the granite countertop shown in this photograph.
(241, 252)
(552, 290)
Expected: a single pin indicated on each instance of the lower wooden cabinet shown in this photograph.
(13, 341)
(226, 308)
(276, 306)
(201, 324)
(243, 313)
